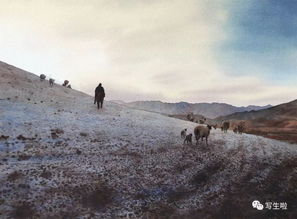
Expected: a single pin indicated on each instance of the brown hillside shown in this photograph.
(278, 122)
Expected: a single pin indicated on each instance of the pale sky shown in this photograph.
(239, 52)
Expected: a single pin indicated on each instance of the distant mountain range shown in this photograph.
(283, 111)
(209, 110)
(278, 122)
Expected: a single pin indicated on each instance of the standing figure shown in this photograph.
(99, 96)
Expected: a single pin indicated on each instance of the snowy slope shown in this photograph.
(66, 158)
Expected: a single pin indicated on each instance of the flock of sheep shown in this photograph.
(201, 131)
(52, 81)
(239, 128)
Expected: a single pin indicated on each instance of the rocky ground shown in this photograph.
(61, 157)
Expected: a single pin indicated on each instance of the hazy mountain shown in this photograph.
(209, 110)
(118, 102)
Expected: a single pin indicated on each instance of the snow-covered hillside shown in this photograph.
(62, 157)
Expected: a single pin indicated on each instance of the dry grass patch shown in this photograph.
(22, 211)
(98, 199)
(14, 176)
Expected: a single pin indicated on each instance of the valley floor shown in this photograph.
(68, 161)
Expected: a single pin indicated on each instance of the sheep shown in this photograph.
(51, 81)
(183, 133)
(188, 139)
(202, 132)
(42, 77)
(65, 83)
(226, 126)
(190, 117)
(235, 130)
(241, 127)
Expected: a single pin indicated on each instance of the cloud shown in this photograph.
(166, 50)
(241, 90)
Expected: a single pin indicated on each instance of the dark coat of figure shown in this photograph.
(183, 133)
(99, 96)
(188, 139)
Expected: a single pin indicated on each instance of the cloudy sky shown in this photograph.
(235, 51)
